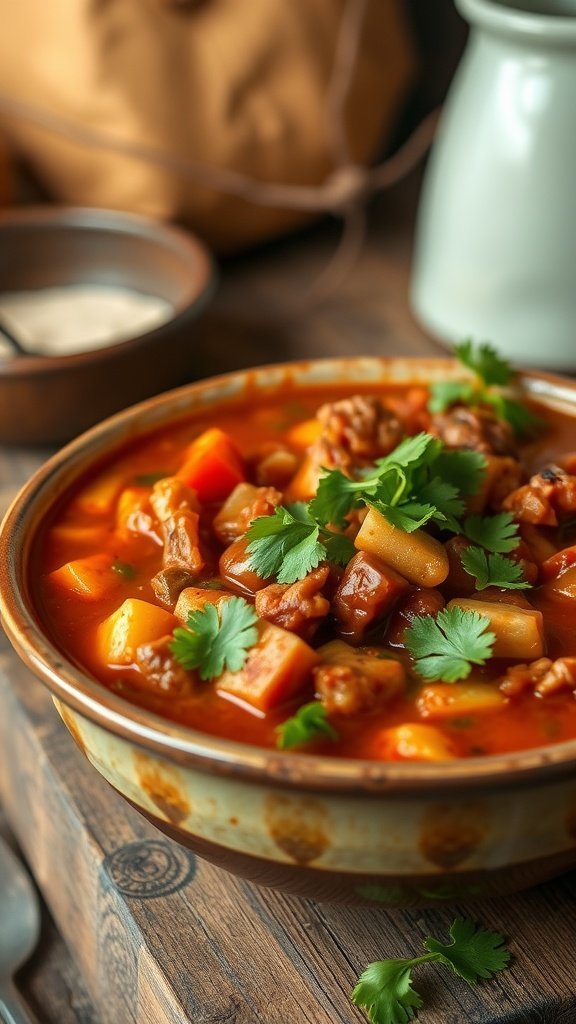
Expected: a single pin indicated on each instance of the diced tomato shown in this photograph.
(213, 466)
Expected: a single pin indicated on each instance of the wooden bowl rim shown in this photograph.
(182, 744)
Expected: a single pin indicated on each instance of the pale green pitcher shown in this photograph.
(495, 254)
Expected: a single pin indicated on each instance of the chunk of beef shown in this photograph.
(549, 497)
(298, 606)
(427, 601)
(355, 432)
(367, 592)
(160, 672)
(171, 495)
(234, 568)
(244, 504)
(169, 583)
(177, 508)
(356, 681)
(477, 429)
(544, 677)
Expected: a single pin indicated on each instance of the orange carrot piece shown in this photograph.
(213, 466)
(91, 578)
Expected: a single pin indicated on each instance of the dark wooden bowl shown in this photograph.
(46, 400)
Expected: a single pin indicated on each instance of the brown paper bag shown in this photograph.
(237, 84)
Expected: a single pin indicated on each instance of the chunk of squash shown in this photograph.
(91, 578)
(519, 632)
(134, 623)
(417, 556)
(276, 668)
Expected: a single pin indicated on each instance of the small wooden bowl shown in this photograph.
(47, 400)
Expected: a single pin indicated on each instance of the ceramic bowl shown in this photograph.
(47, 400)
(399, 833)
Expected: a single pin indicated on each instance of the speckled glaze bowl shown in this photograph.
(398, 833)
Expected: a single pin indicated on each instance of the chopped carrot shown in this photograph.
(302, 435)
(213, 466)
(277, 667)
(134, 623)
(91, 578)
(77, 535)
(98, 497)
(304, 483)
(133, 503)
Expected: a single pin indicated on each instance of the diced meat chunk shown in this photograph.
(477, 429)
(427, 601)
(182, 541)
(356, 431)
(352, 680)
(169, 583)
(549, 497)
(235, 569)
(245, 504)
(171, 495)
(367, 592)
(273, 465)
(160, 671)
(544, 676)
(299, 606)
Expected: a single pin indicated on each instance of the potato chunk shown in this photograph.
(134, 623)
(417, 556)
(275, 669)
(90, 578)
(193, 599)
(412, 742)
(446, 700)
(519, 632)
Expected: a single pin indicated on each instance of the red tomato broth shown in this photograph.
(523, 723)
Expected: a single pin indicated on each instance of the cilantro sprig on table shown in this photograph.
(491, 373)
(216, 637)
(447, 646)
(385, 989)
(420, 481)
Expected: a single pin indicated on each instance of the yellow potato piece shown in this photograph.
(446, 700)
(415, 742)
(134, 623)
(192, 599)
(519, 632)
(421, 559)
(91, 578)
(275, 669)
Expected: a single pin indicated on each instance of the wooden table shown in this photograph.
(212, 949)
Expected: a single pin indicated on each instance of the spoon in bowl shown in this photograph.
(19, 931)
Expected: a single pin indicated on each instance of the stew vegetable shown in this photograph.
(388, 575)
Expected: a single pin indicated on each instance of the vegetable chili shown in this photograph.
(388, 575)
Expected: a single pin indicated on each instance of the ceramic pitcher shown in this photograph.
(495, 255)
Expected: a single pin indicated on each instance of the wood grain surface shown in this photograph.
(159, 937)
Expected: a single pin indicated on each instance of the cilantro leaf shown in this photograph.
(495, 533)
(385, 990)
(473, 953)
(309, 723)
(485, 362)
(410, 451)
(339, 548)
(124, 569)
(493, 570)
(464, 470)
(149, 479)
(216, 637)
(447, 647)
(335, 497)
(408, 516)
(444, 393)
(283, 546)
(523, 421)
(444, 497)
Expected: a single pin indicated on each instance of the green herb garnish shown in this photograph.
(124, 569)
(493, 570)
(447, 646)
(309, 723)
(495, 533)
(216, 637)
(149, 479)
(385, 990)
(289, 543)
(491, 373)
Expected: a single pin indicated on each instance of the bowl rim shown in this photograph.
(186, 245)
(182, 744)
